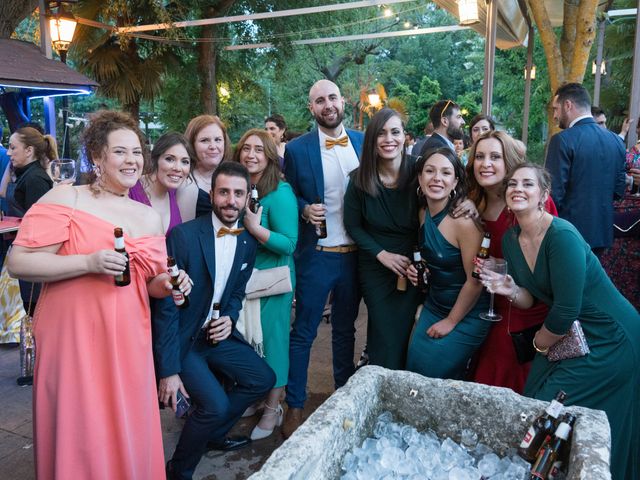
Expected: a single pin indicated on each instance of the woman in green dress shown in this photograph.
(550, 261)
(275, 226)
(380, 214)
(449, 329)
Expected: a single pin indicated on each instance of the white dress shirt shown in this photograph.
(337, 163)
(576, 120)
(225, 254)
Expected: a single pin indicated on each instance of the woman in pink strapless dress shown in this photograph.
(94, 398)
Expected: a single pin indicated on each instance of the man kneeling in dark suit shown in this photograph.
(219, 257)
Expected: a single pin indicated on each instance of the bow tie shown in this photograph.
(229, 231)
(342, 141)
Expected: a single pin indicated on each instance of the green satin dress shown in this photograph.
(280, 215)
(445, 357)
(386, 222)
(568, 277)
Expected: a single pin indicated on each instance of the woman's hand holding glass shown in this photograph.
(493, 274)
(63, 171)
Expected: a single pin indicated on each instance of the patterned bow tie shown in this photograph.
(342, 141)
(229, 231)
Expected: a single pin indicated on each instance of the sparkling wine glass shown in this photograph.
(63, 171)
(494, 274)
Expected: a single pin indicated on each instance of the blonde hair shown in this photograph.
(44, 147)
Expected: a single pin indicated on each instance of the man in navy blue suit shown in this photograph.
(586, 163)
(219, 257)
(447, 126)
(317, 165)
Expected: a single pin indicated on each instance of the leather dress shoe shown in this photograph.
(229, 444)
(292, 420)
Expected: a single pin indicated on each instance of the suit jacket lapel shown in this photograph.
(208, 245)
(315, 163)
(355, 142)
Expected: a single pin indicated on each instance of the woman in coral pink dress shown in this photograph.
(94, 399)
(491, 158)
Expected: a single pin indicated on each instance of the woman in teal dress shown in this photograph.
(380, 214)
(550, 261)
(449, 329)
(275, 226)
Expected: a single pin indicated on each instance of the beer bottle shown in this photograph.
(550, 452)
(180, 299)
(123, 279)
(401, 283)
(321, 230)
(215, 315)
(254, 203)
(483, 254)
(541, 428)
(563, 456)
(421, 267)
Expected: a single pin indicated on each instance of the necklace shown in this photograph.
(105, 189)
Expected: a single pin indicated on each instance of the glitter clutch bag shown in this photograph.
(572, 345)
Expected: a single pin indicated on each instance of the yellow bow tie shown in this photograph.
(229, 231)
(342, 141)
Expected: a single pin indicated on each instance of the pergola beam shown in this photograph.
(261, 16)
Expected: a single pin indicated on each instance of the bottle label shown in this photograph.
(119, 243)
(555, 470)
(563, 431)
(554, 408)
(173, 271)
(178, 297)
(417, 257)
(486, 242)
(526, 441)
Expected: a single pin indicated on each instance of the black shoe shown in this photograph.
(171, 475)
(229, 444)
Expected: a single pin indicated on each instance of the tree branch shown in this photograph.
(549, 43)
(585, 34)
(568, 38)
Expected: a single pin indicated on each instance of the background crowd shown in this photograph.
(343, 212)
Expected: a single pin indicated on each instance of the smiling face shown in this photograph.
(174, 165)
(523, 191)
(229, 198)
(390, 140)
(19, 153)
(480, 127)
(253, 157)
(121, 162)
(488, 165)
(437, 178)
(326, 104)
(209, 147)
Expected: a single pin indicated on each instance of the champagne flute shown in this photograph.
(494, 273)
(63, 171)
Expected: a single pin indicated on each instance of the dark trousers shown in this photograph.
(319, 273)
(216, 410)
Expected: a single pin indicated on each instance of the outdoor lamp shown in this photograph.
(62, 26)
(374, 99)
(594, 68)
(533, 72)
(468, 12)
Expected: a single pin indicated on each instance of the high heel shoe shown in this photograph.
(258, 433)
(253, 409)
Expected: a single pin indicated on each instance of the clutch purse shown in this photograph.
(268, 282)
(572, 345)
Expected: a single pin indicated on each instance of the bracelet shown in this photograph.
(539, 350)
(514, 295)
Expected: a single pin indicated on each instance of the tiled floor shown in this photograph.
(16, 443)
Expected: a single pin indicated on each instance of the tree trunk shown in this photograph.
(549, 43)
(585, 34)
(568, 39)
(12, 12)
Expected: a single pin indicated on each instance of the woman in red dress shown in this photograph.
(491, 158)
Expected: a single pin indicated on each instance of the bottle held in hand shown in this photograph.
(124, 278)
(421, 267)
(254, 202)
(321, 229)
(541, 427)
(215, 315)
(180, 299)
(483, 254)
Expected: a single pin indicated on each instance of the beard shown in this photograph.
(333, 124)
(455, 133)
(224, 217)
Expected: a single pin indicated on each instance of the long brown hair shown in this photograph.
(44, 146)
(271, 176)
(201, 121)
(512, 153)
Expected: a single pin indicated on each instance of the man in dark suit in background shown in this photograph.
(317, 166)
(586, 163)
(219, 257)
(447, 124)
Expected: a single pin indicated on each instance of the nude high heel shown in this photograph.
(258, 433)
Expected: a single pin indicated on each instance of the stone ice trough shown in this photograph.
(499, 416)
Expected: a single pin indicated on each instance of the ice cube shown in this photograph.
(489, 465)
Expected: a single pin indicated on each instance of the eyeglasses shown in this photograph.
(449, 102)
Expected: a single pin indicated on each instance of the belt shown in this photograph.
(338, 249)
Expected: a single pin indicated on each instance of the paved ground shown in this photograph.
(16, 436)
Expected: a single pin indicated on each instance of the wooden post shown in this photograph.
(597, 83)
(489, 56)
(45, 46)
(634, 101)
(527, 86)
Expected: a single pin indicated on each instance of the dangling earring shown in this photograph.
(96, 170)
(540, 206)
(419, 192)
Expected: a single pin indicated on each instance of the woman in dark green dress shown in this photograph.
(550, 261)
(380, 214)
(449, 329)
